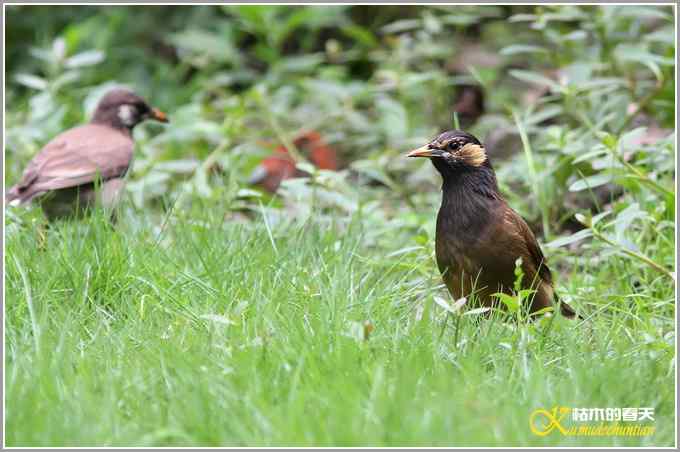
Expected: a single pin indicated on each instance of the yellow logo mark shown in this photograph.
(542, 422)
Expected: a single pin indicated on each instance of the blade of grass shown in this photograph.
(29, 301)
(533, 178)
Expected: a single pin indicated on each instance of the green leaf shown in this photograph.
(299, 63)
(32, 81)
(393, 118)
(591, 182)
(563, 241)
(639, 54)
(66, 78)
(477, 311)
(453, 309)
(665, 35)
(361, 35)
(203, 43)
(628, 139)
(535, 78)
(596, 152)
(41, 54)
(401, 25)
(510, 301)
(607, 82)
(523, 18)
(550, 111)
(577, 35)
(585, 220)
(306, 167)
(483, 76)
(58, 49)
(626, 217)
(182, 166)
(647, 12)
(516, 49)
(524, 293)
(87, 58)
(609, 140)
(431, 23)
(578, 73)
(248, 193)
(460, 19)
(599, 216)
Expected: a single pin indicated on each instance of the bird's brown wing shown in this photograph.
(77, 156)
(528, 239)
(538, 265)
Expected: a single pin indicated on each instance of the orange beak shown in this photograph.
(425, 151)
(158, 115)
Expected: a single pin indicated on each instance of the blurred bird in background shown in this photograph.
(64, 175)
(280, 165)
(469, 104)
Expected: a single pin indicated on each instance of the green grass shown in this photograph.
(210, 332)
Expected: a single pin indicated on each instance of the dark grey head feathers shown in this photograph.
(123, 109)
(461, 160)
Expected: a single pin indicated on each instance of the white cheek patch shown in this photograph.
(126, 114)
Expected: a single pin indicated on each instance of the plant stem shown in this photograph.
(642, 177)
(274, 123)
(634, 254)
(29, 301)
(639, 174)
(532, 174)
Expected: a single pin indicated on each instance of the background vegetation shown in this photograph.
(215, 314)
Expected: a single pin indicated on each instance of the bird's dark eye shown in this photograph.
(452, 146)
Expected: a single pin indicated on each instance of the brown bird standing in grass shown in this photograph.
(479, 237)
(280, 166)
(64, 175)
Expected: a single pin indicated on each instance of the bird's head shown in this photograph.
(123, 109)
(453, 152)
